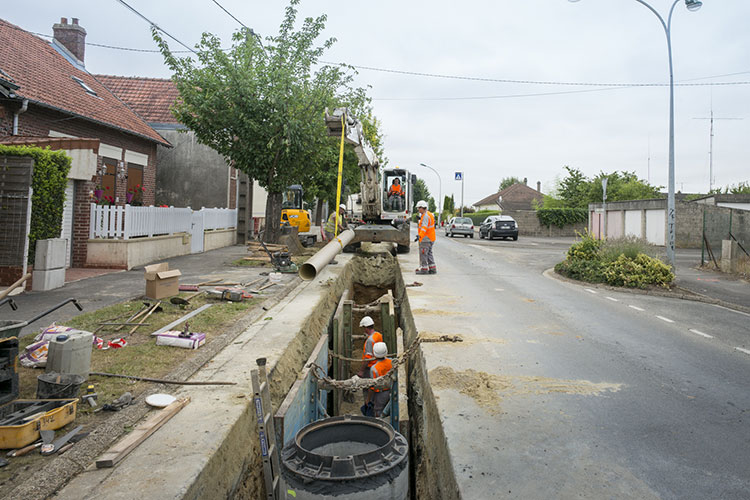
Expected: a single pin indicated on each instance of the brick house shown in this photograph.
(187, 163)
(55, 102)
(514, 197)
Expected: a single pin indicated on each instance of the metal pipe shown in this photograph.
(310, 269)
(24, 107)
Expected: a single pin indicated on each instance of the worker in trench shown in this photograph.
(379, 397)
(330, 226)
(368, 356)
(426, 237)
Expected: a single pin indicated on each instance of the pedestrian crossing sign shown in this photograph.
(459, 175)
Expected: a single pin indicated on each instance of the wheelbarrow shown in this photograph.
(12, 327)
(10, 302)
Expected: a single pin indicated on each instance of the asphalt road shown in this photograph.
(602, 394)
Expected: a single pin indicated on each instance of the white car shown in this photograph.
(460, 225)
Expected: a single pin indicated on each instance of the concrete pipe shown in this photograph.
(348, 458)
(310, 269)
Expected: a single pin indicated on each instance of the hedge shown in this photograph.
(561, 217)
(478, 217)
(48, 181)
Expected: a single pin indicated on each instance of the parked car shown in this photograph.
(499, 226)
(460, 225)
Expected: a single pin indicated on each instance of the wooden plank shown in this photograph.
(347, 335)
(301, 405)
(400, 413)
(123, 447)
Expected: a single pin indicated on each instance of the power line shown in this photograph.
(509, 96)
(155, 26)
(230, 15)
(537, 82)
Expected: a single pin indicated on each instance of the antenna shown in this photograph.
(711, 118)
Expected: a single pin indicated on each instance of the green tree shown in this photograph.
(508, 181)
(621, 186)
(261, 106)
(420, 192)
(573, 189)
(740, 188)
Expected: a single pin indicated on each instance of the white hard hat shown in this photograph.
(366, 321)
(380, 350)
(421, 204)
(342, 206)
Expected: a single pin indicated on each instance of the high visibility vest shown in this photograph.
(367, 348)
(394, 189)
(427, 226)
(330, 225)
(382, 367)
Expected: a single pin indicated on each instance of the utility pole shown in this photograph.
(711, 118)
(604, 206)
(460, 177)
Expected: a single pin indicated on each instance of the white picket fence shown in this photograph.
(125, 222)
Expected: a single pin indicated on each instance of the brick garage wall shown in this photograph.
(38, 121)
(529, 225)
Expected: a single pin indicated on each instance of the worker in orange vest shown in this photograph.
(426, 237)
(373, 337)
(396, 195)
(379, 397)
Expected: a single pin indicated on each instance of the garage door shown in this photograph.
(67, 222)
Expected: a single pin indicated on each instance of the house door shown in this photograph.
(196, 232)
(67, 221)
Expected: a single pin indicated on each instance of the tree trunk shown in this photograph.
(319, 212)
(272, 232)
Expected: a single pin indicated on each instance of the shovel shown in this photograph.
(183, 302)
(49, 449)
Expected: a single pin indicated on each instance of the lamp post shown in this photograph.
(440, 193)
(691, 5)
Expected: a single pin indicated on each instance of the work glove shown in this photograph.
(416, 238)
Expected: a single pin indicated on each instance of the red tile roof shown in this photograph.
(46, 78)
(151, 98)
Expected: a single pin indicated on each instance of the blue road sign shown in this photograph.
(459, 175)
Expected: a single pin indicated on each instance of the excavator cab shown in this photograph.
(395, 193)
(291, 209)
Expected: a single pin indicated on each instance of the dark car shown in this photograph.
(499, 226)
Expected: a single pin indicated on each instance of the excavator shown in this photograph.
(386, 193)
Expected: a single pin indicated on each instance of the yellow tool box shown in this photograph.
(21, 420)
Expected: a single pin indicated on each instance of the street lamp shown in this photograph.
(440, 193)
(692, 5)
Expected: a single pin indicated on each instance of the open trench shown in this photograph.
(370, 274)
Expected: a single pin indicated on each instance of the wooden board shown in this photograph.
(122, 448)
(302, 404)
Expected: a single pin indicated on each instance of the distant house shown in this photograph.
(49, 99)
(189, 174)
(514, 197)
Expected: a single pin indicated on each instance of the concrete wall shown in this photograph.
(127, 254)
(219, 238)
(529, 225)
(190, 174)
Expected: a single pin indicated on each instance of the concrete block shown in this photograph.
(729, 256)
(47, 280)
(50, 254)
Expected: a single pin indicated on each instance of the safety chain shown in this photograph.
(357, 383)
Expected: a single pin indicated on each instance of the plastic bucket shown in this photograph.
(58, 385)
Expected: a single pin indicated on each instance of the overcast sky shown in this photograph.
(491, 130)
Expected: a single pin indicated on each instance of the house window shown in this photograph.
(135, 183)
(109, 179)
(88, 89)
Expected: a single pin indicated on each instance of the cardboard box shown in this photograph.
(161, 282)
(194, 341)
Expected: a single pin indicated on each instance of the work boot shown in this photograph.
(432, 271)
(421, 271)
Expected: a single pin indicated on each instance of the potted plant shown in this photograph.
(134, 196)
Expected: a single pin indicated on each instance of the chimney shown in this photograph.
(539, 186)
(525, 181)
(71, 36)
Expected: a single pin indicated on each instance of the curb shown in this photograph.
(678, 293)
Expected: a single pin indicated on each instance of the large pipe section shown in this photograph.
(310, 269)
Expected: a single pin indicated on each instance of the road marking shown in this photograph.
(698, 332)
(664, 319)
(612, 299)
(499, 289)
(746, 351)
(636, 308)
(535, 244)
(590, 290)
(732, 310)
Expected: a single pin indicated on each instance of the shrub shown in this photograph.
(638, 272)
(581, 269)
(629, 246)
(561, 217)
(478, 217)
(586, 249)
(48, 181)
